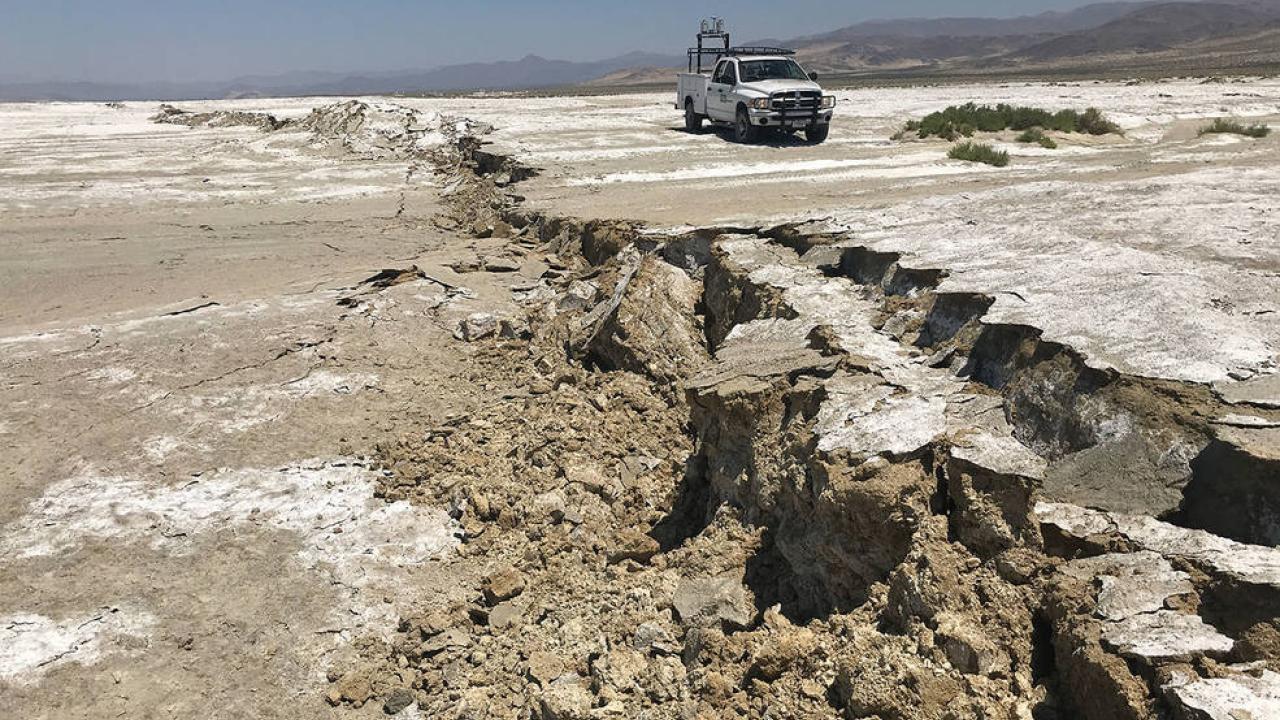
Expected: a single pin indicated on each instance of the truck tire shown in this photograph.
(692, 120)
(817, 133)
(743, 130)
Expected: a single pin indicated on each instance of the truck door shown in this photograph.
(720, 100)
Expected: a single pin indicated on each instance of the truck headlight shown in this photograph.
(760, 104)
(828, 102)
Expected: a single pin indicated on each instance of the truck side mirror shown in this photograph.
(813, 76)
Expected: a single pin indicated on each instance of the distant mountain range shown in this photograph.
(528, 72)
(1112, 34)
(1049, 23)
(1111, 37)
(1115, 33)
(1156, 28)
(531, 71)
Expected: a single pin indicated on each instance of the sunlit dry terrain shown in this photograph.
(241, 461)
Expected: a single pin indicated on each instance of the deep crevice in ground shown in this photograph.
(711, 500)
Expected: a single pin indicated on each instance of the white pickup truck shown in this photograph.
(755, 90)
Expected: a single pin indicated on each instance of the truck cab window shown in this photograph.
(726, 74)
(757, 70)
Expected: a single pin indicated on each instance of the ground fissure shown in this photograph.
(764, 473)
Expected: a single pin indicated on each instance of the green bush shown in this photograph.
(1095, 123)
(1037, 136)
(1065, 121)
(1223, 126)
(965, 120)
(980, 153)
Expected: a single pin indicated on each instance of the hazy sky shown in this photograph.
(185, 40)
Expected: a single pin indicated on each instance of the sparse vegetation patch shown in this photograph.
(965, 120)
(1037, 136)
(1222, 126)
(979, 153)
(1093, 122)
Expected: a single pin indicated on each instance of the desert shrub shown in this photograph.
(1064, 121)
(1025, 118)
(945, 128)
(1095, 123)
(979, 153)
(1222, 126)
(1037, 136)
(965, 120)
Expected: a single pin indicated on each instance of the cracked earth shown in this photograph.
(542, 408)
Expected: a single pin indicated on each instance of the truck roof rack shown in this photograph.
(760, 50)
(714, 29)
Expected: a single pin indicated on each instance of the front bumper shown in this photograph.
(790, 118)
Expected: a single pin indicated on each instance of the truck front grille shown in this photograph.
(806, 100)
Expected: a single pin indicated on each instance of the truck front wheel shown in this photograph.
(817, 133)
(692, 120)
(743, 130)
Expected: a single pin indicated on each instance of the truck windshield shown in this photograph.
(757, 70)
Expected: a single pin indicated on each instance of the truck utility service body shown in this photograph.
(753, 89)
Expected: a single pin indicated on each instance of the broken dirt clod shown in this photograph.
(503, 585)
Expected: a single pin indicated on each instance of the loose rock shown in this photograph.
(503, 584)
(477, 326)
(718, 601)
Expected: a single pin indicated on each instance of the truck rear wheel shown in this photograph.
(692, 120)
(817, 133)
(743, 130)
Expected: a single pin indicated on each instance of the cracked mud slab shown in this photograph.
(1153, 254)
